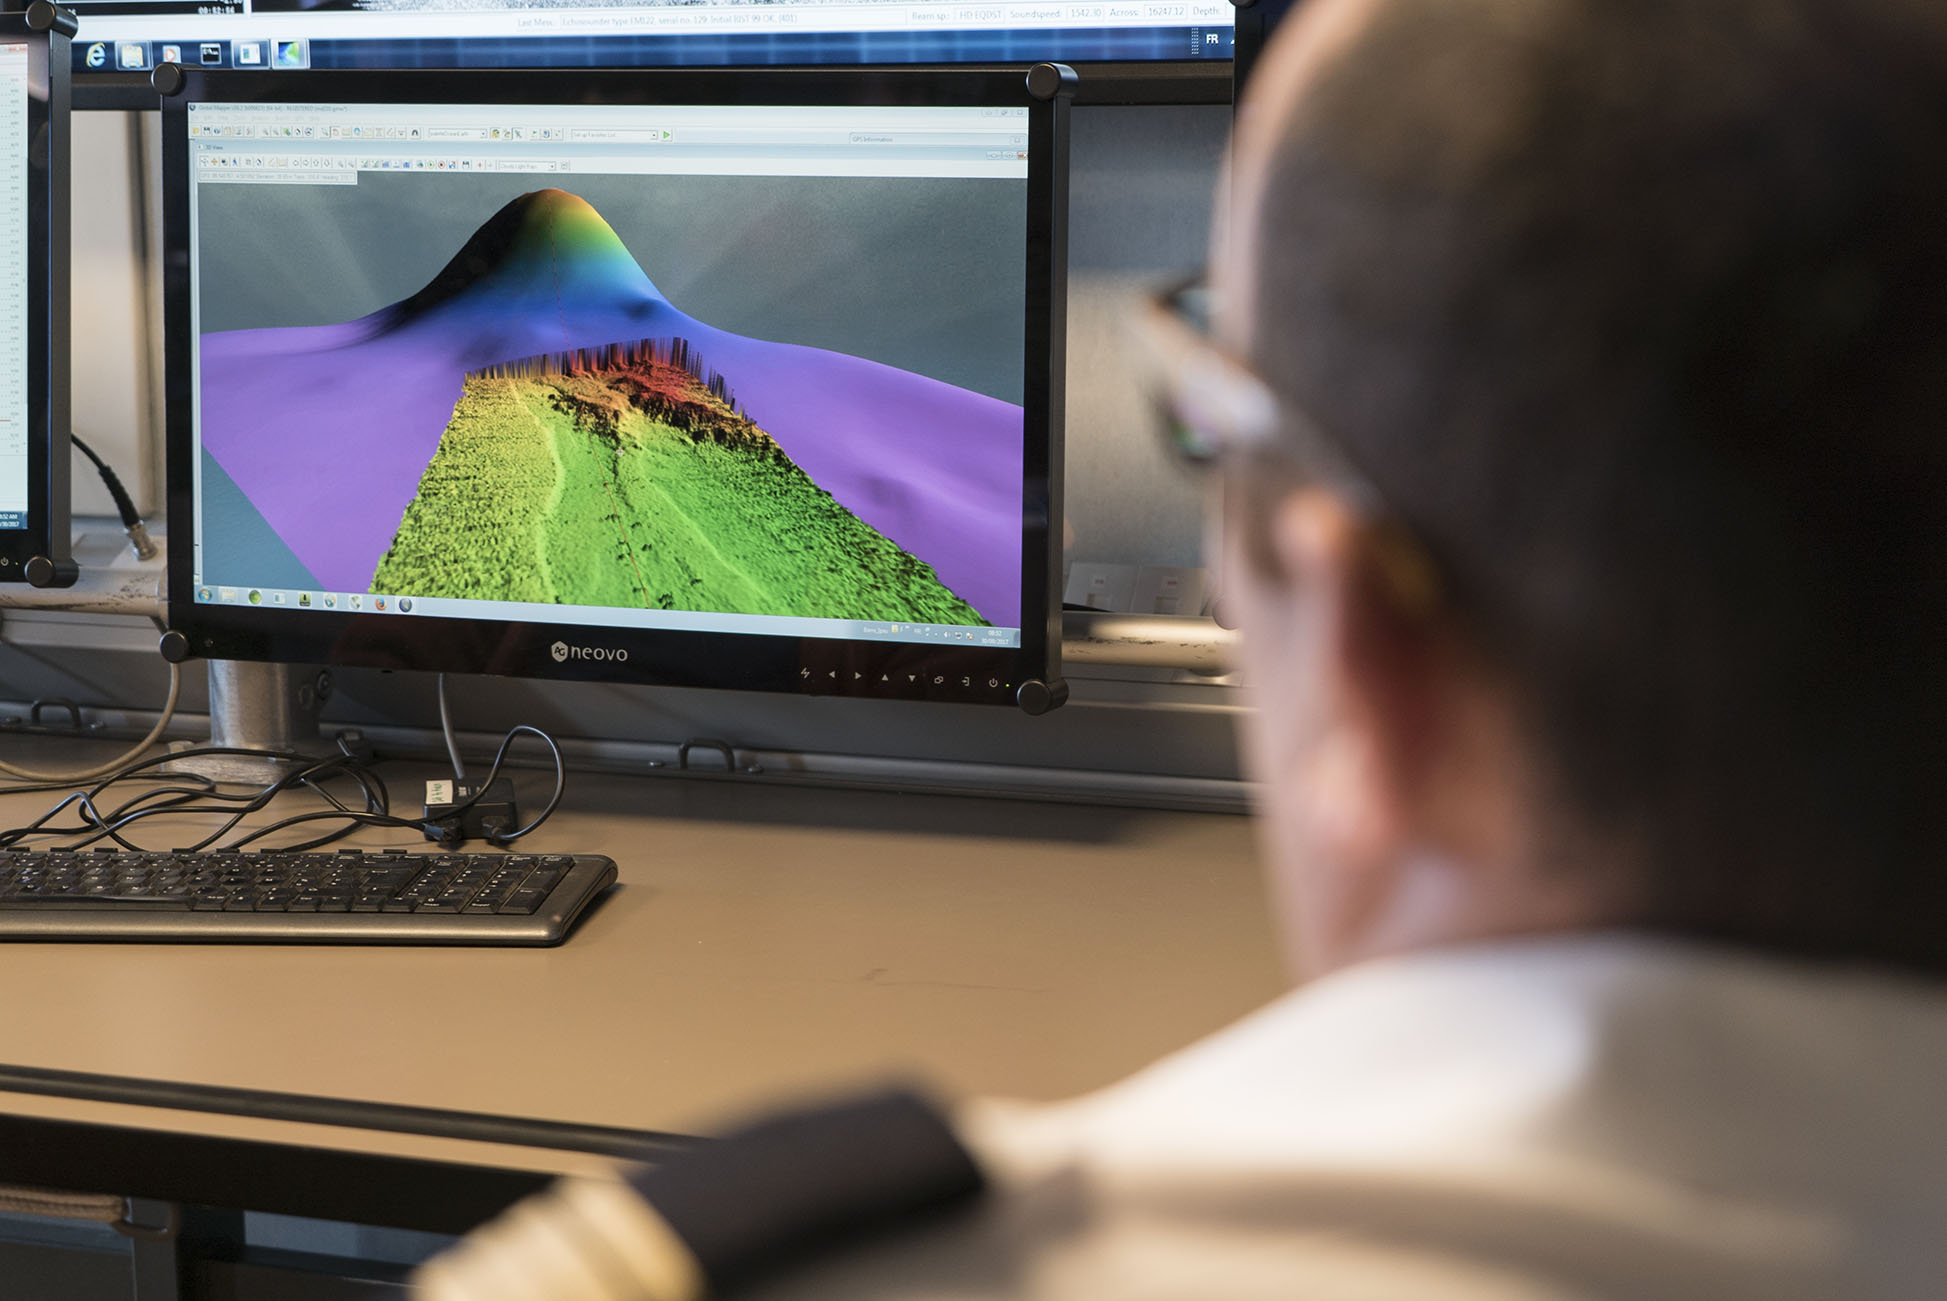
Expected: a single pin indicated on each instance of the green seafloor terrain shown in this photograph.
(629, 478)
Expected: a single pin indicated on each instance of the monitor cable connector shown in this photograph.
(132, 523)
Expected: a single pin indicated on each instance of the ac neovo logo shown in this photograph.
(563, 652)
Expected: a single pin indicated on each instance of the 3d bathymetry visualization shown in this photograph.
(538, 423)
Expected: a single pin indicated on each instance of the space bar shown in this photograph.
(29, 902)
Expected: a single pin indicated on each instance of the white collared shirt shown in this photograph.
(1597, 1116)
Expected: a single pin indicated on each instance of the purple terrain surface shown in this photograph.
(327, 429)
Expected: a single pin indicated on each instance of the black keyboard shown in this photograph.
(274, 897)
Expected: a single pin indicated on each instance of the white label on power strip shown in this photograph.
(439, 792)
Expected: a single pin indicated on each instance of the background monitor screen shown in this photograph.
(733, 393)
(34, 437)
(132, 36)
(16, 309)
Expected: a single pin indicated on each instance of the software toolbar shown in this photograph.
(332, 145)
(135, 35)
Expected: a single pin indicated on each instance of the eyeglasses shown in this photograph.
(1214, 408)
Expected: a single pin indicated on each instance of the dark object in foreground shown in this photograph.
(715, 1219)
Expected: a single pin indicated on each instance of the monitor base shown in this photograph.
(268, 707)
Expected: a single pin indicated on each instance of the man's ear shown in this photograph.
(1385, 658)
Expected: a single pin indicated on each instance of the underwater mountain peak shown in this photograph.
(544, 235)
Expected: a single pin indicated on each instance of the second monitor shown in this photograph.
(739, 379)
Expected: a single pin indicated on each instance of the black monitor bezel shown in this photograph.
(813, 666)
(1102, 82)
(41, 552)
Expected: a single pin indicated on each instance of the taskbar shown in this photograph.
(971, 636)
(274, 51)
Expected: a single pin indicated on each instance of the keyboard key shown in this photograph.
(523, 901)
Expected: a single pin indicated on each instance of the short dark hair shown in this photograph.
(1636, 311)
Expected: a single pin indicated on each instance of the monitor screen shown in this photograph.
(748, 386)
(34, 436)
(136, 35)
(16, 70)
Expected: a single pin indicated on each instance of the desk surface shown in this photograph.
(763, 941)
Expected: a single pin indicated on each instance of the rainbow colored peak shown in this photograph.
(570, 221)
(547, 241)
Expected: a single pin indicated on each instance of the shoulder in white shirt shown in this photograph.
(1602, 1116)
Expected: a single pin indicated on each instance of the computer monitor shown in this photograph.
(716, 378)
(1135, 50)
(34, 447)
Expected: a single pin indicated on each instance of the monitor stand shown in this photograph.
(262, 707)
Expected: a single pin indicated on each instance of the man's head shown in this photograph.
(1635, 312)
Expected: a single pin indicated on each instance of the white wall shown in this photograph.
(116, 398)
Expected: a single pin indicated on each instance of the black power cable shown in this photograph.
(96, 823)
(138, 532)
